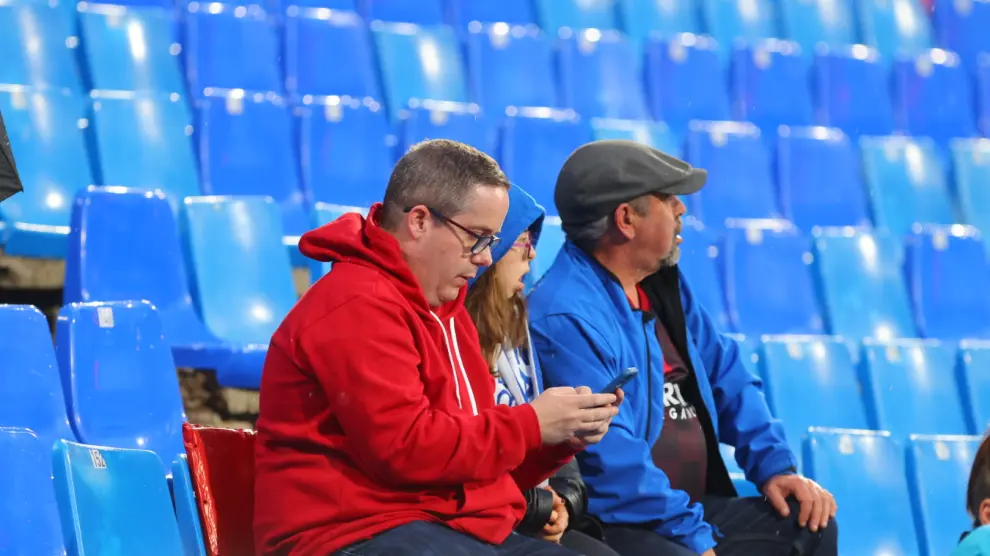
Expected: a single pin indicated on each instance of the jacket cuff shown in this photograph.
(574, 498)
(703, 539)
(781, 463)
(539, 507)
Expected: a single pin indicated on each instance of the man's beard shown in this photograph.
(672, 258)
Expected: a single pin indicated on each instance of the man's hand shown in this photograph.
(554, 529)
(709, 552)
(565, 414)
(583, 440)
(817, 504)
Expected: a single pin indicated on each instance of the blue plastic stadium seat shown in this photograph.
(326, 213)
(575, 14)
(760, 301)
(971, 173)
(39, 43)
(552, 239)
(731, 21)
(699, 253)
(740, 178)
(119, 377)
(513, 12)
(961, 27)
(186, 508)
(113, 500)
(291, 6)
(819, 177)
(522, 56)
(938, 471)
(770, 86)
(831, 22)
(738, 476)
(144, 141)
(947, 272)
(865, 471)
(641, 19)
(894, 27)
(851, 91)
(913, 386)
(45, 130)
(448, 120)
(655, 134)
(241, 275)
(599, 75)
(30, 391)
(862, 286)
(983, 94)
(231, 47)
(347, 153)
(821, 365)
(421, 12)
(417, 64)
(130, 48)
(906, 182)
(685, 81)
(535, 145)
(246, 148)
(973, 373)
(28, 507)
(313, 36)
(933, 97)
(124, 245)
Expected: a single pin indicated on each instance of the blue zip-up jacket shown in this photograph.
(585, 332)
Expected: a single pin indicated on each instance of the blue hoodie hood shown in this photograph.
(524, 214)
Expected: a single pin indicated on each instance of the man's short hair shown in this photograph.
(587, 237)
(440, 174)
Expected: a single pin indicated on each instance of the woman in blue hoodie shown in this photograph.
(497, 306)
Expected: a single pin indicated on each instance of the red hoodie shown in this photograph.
(377, 411)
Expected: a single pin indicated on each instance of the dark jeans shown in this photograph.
(586, 545)
(749, 526)
(421, 538)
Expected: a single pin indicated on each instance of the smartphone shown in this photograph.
(620, 381)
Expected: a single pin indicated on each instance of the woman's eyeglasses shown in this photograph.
(481, 242)
(525, 244)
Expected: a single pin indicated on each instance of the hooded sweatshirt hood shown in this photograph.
(524, 214)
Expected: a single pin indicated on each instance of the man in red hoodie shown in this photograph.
(378, 432)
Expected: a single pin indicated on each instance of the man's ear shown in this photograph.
(417, 221)
(624, 218)
(984, 513)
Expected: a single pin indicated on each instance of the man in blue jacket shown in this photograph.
(614, 299)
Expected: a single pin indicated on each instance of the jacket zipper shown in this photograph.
(649, 381)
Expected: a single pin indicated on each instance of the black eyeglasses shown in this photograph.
(481, 242)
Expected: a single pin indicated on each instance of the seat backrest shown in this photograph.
(513, 12)
(28, 508)
(144, 141)
(31, 391)
(865, 472)
(862, 285)
(119, 377)
(938, 471)
(522, 56)
(822, 371)
(246, 148)
(417, 64)
(933, 97)
(186, 508)
(823, 21)
(241, 275)
(973, 373)
(699, 265)
(534, 148)
(575, 14)
(961, 27)
(770, 86)
(326, 213)
(656, 134)
(740, 179)
(420, 12)
(739, 20)
(894, 27)
(971, 174)
(347, 152)
(448, 120)
(914, 387)
(600, 75)
(130, 48)
(906, 182)
(113, 500)
(39, 43)
(820, 179)
(685, 81)
(947, 274)
(551, 241)
(222, 466)
(644, 18)
(768, 285)
(231, 47)
(851, 92)
(312, 37)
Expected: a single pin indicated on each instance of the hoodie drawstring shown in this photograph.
(453, 366)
